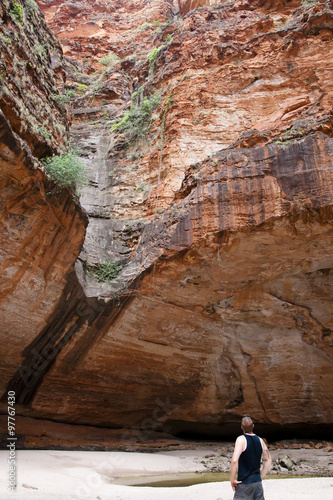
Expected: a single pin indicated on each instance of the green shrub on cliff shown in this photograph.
(17, 13)
(67, 170)
(136, 121)
(109, 60)
(65, 98)
(107, 271)
(152, 58)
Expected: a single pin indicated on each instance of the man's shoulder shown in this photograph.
(241, 441)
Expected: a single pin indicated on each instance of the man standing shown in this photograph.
(249, 449)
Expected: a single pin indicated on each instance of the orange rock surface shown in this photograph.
(206, 129)
(42, 230)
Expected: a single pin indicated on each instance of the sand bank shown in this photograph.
(79, 475)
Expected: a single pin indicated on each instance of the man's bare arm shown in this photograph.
(239, 448)
(267, 460)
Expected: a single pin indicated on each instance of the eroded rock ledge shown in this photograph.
(42, 230)
(230, 319)
(221, 217)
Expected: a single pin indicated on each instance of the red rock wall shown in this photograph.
(42, 231)
(229, 325)
(221, 216)
(31, 68)
(186, 6)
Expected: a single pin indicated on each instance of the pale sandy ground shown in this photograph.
(55, 475)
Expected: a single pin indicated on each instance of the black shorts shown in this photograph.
(253, 491)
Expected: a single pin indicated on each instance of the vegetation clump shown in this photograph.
(17, 13)
(42, 130)
(105, 272)
(155, 25)
(65, 98)
(109, 60)
(136, 121)
(152, 58)
(67, 170)
(154, 53)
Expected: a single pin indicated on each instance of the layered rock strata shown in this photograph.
(218, 210)
(42, 230)
(230, 321)
(31, 69)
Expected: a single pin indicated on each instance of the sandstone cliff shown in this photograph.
(41, 231)
(206, 130)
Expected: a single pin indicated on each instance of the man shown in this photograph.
(249, 449)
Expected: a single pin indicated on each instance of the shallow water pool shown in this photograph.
(182, 479)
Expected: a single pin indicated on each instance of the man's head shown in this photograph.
(247, 423)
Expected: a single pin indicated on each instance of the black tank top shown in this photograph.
(249, 461)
